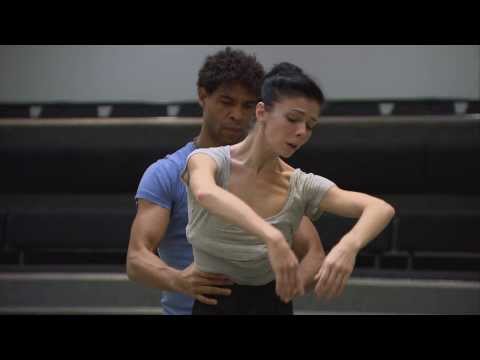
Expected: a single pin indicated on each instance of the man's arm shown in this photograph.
(308, 248)
(144, 266)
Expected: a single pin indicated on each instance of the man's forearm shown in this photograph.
(148, 269)
(309, 266)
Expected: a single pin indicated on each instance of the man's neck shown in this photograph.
(204, 140)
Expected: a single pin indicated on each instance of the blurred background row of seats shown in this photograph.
(67, 192)
(192, 109)
(87, 230)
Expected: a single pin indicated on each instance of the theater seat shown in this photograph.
(69, 229)
(189, 110)
(14, 111)
(426, 107)
(439, 231)
(331, 228)
(69, 111)
(3, 215)
(346, 108)
(138, 110)
(473, 107)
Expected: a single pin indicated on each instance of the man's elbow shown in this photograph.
(132, 266)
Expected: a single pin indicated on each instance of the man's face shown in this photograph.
(228, 113)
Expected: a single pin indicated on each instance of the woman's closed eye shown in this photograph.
(296, 120)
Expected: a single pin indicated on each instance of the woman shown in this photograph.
(245, 203)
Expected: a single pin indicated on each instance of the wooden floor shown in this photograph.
(113, 293)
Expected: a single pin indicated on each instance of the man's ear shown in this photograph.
(202, 94)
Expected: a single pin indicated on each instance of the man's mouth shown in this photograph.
(292, 146)
(231, 129)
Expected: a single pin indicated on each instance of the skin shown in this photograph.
(258, 174)
(228, 114)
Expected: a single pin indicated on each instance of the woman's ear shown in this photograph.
(260, 111)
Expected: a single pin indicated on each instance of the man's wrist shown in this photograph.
(177, 281)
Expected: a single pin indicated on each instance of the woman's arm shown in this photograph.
(200, 178)
(373, 216)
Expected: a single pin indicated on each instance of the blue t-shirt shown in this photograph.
(161, 185)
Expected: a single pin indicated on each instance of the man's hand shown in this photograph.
(199, 284)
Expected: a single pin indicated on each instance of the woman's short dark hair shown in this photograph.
(288, 80)
(231, 66)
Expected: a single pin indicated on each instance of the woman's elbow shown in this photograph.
(203, 196)
(388, 209)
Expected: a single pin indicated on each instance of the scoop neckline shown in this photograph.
(290, 186)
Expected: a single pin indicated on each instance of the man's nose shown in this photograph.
(237, 113)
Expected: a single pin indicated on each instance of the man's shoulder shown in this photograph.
(163, 174)
(174, 161)
(182, 153)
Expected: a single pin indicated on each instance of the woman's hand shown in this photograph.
(285, 266)
(335, 271)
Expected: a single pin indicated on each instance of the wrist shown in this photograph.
(351, 244)
(177, 281)
(273, 237)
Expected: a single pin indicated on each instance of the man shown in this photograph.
(228, 87)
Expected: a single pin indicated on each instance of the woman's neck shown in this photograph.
(255, 153)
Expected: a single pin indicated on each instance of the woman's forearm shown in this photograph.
(372, 222)
(234, 210)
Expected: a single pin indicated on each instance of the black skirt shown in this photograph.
(246, 300)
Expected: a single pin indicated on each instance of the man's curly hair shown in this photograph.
(231, 66)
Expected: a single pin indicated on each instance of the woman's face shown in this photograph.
(288, 123)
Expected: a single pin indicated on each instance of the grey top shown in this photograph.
(225, 248)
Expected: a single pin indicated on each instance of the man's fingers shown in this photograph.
(212, 290)
(212, 276)
(213, 282)
(206, 300)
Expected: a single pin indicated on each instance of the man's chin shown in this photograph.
(231, 140)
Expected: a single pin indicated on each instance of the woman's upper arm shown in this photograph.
(345, 203)
(200, 169)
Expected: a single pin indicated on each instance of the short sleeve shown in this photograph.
(156, 184)
(220, 155)
(314, 188)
